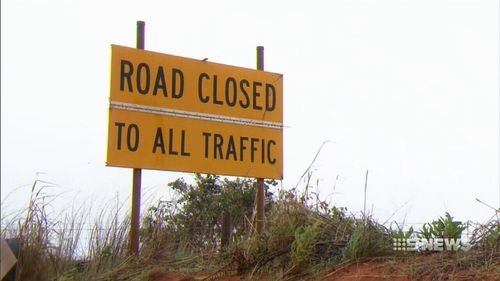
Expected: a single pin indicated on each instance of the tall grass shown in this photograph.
(303, 235)
(56, 246)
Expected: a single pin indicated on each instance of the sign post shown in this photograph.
(137, 174)
(188, 115)
(260, 181)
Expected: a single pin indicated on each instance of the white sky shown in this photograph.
(406, 89)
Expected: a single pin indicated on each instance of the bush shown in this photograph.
(195, 220)
(368, 239)
(443, 227)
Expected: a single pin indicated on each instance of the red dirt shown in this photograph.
(397, 269)
(370, 270)
(365, 271)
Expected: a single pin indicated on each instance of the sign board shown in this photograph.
(180, 114)
(7, 258)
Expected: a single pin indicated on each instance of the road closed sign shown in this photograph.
(179, 114)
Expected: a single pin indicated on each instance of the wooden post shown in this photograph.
(364, 200)
(226, 230)
(260, 182)
(137, 175)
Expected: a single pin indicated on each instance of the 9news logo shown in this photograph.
(432, 244)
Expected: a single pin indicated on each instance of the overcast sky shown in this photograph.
(408, 90)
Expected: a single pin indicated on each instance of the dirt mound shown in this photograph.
(424, 267)
(366, 271)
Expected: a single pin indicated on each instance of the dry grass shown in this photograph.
(302, 237)
(53, 247)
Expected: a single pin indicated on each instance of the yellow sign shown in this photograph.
(180, 114)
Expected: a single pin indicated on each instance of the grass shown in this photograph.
(53, 247)
(303, 237)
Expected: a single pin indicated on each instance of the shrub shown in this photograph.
(368, 239)
(443, 227)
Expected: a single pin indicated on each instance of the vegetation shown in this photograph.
(209, 227)
(444, 227)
